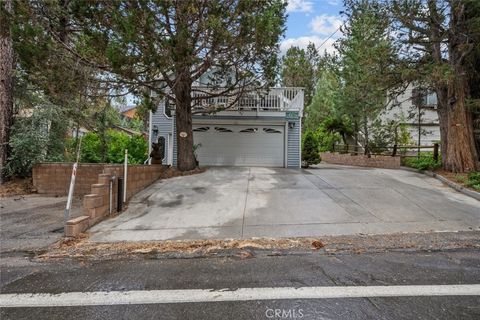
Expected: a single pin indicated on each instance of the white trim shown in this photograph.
(150, 128)
(300, 140)
(170, 149)
(105, 298)
(242, 122)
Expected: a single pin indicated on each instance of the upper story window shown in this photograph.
(169, 106)
(430, 99)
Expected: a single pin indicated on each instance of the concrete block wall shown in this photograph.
(97, 203)
(54, 178)
(386, 162)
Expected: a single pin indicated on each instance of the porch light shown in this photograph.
(291, 125)
(155, 130)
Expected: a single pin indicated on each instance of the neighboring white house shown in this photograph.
(403, 111)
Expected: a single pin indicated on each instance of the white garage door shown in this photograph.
(240, 145)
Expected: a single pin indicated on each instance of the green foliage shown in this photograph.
(424, 162)
(473, 180)
(27, 145)
(91, 149)
(297, 70)
(326, 139)
(34, 138)
(366, 52)
(385, 135)
(310, 153)
(325, 99)
(116, 143)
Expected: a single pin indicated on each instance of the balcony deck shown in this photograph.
(272, 100)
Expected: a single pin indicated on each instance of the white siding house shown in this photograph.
(402, 110)
(258, 130)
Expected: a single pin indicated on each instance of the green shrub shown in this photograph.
(424, 162)
(91, 149)
(310, 153)
(35, 138)
(28, 146)
(137, 149)
(326, 139)
(117, 142)
(473, 180)
(112, 150)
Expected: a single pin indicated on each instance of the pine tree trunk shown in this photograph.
(6, 86)
(367, 142)
(183, 121)
(461, 151)
(461, 155)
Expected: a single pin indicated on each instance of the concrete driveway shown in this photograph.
(238, 202)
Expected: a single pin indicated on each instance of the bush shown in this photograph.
(310, 154)
(28, 143)
(112, 150)
(473, 180)
(424, 162)
(326, 139)
(91, 149)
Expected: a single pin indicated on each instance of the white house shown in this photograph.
(402, 110)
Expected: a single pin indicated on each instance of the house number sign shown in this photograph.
(291, 115)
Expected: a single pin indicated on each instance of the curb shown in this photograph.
(453, 185)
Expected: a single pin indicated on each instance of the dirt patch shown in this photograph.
(172, 172)
(17, 187)
(83, 249)
(458, 178)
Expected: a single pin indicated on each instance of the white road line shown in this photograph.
(69, 299)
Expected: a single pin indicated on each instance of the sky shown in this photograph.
(312, 21)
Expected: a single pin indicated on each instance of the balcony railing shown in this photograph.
(275, 99)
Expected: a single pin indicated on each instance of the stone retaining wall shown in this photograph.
(387, 162)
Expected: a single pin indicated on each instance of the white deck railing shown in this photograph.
(275, 99)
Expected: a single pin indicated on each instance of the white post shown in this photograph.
(66, 215)
(150, 128)
(125, 176)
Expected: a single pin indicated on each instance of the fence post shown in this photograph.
(435, 151)
(394, 153)
(125, 168)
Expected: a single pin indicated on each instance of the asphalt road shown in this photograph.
(315, 269)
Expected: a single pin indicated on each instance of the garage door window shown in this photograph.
(220, 129)
(201, 129)
(249, 130)
(271, 130)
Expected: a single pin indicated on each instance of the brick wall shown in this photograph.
(54, 178)
(386, 162)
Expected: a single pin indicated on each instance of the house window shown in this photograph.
(430, 99)
(249, 130)
(220, 129)
(169, 106)
(201, 129)
(271, 130)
